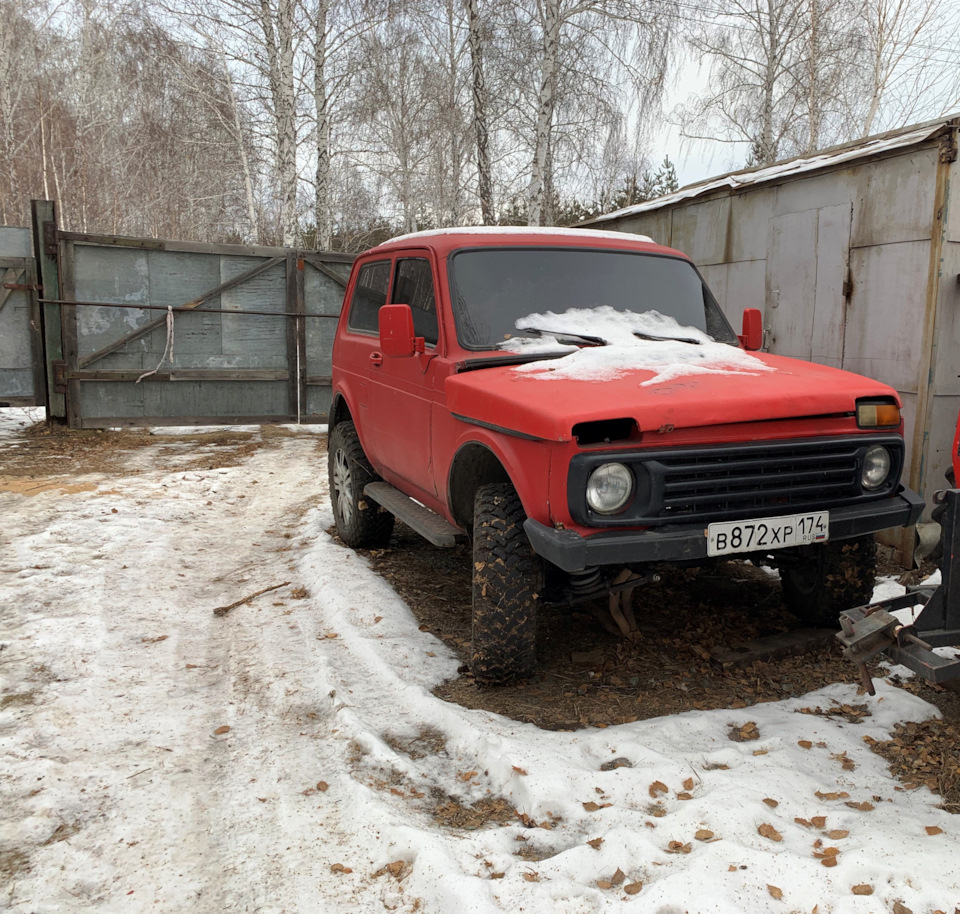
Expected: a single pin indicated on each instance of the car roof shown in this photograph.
(449, 239)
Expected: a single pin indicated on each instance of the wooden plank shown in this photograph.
(11, 263)
(783, 644)
(179, 374)
(195, 247)
(301, 308)
(10, 275)
(187, 306)
(318, 264)
(36, 337)
(319, 380)
(69, 330)
(293, 351)
(167, 421)
(45, 212)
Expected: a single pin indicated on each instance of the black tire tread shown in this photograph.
(507, 580)
(372, 525)
(846, 575)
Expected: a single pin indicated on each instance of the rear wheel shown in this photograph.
(830, 578)
(507, 579)
(360, 521)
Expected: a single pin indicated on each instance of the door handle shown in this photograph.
(376, 359)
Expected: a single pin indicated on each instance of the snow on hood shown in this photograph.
(686, 351)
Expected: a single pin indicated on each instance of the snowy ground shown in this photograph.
(289, 756)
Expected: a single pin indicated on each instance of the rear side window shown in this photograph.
(368, 295)
(413, 286)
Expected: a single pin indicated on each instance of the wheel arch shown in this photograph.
(339, 411)
(474, 465)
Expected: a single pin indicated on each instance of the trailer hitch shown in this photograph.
(867, 631)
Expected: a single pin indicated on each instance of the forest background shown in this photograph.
(338, 123)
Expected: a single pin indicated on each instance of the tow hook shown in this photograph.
(874, 632)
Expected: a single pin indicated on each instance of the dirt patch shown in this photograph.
(47, 458)
(588, 677)
(17, 700)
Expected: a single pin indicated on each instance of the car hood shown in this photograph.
(534, 404)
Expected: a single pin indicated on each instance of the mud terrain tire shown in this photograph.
(360, 521)
(507, 579)
(830, 578)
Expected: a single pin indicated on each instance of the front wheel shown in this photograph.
(507, 579)
(360, 521)
(830, 578)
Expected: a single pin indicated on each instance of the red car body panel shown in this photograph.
(415, 414)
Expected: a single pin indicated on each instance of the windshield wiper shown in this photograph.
(562, 335)
(665, 339)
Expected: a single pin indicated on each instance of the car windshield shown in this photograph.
(495, 288)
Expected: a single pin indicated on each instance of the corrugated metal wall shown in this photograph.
(841, 263)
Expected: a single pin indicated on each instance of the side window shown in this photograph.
(413, 286)
(368, 295)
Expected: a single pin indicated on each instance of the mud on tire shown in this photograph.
(507, 579)
(830, 578)
(360, 521)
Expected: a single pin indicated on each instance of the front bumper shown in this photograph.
(688, 542)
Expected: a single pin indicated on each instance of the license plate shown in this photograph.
(768, 533)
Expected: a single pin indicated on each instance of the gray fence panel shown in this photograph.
(21, 382)
(226, 367)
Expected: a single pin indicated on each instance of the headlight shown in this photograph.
(609, 488)
(876, 467)
(878, 415)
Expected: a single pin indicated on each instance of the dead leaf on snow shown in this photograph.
(221, 730)
(899, 908)
(590, 806)
(827, 852)
(340, 868)
(683, 795)
(703, 834)
(466, 775)
(837, 833)
(862, 889)
(518, 770)
(834, 795)
(678, 847)
(656, 788)
(774, 891)
(818, 821)
(744, 733)
(805, 822)
(804, 744)
(768, 831)
(604, 884)
(846, 763)
(828, 861)
(633, 888)
(618, 877)
(595, 843)
(863, 807)
(531, 876)
(933, 830)
(773, 804)
(688, 784)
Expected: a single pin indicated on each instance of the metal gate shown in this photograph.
(21, 347)
(182, 333)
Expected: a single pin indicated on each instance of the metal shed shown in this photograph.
(852, 255)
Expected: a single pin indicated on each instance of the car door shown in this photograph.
(401, 390)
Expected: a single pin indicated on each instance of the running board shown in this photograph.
(430, 525)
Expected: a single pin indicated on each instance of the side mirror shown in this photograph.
(752, 336)
(397, 338)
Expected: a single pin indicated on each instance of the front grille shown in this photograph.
(751, 480)
(728, 482)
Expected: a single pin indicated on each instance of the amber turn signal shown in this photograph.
(878, 415)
